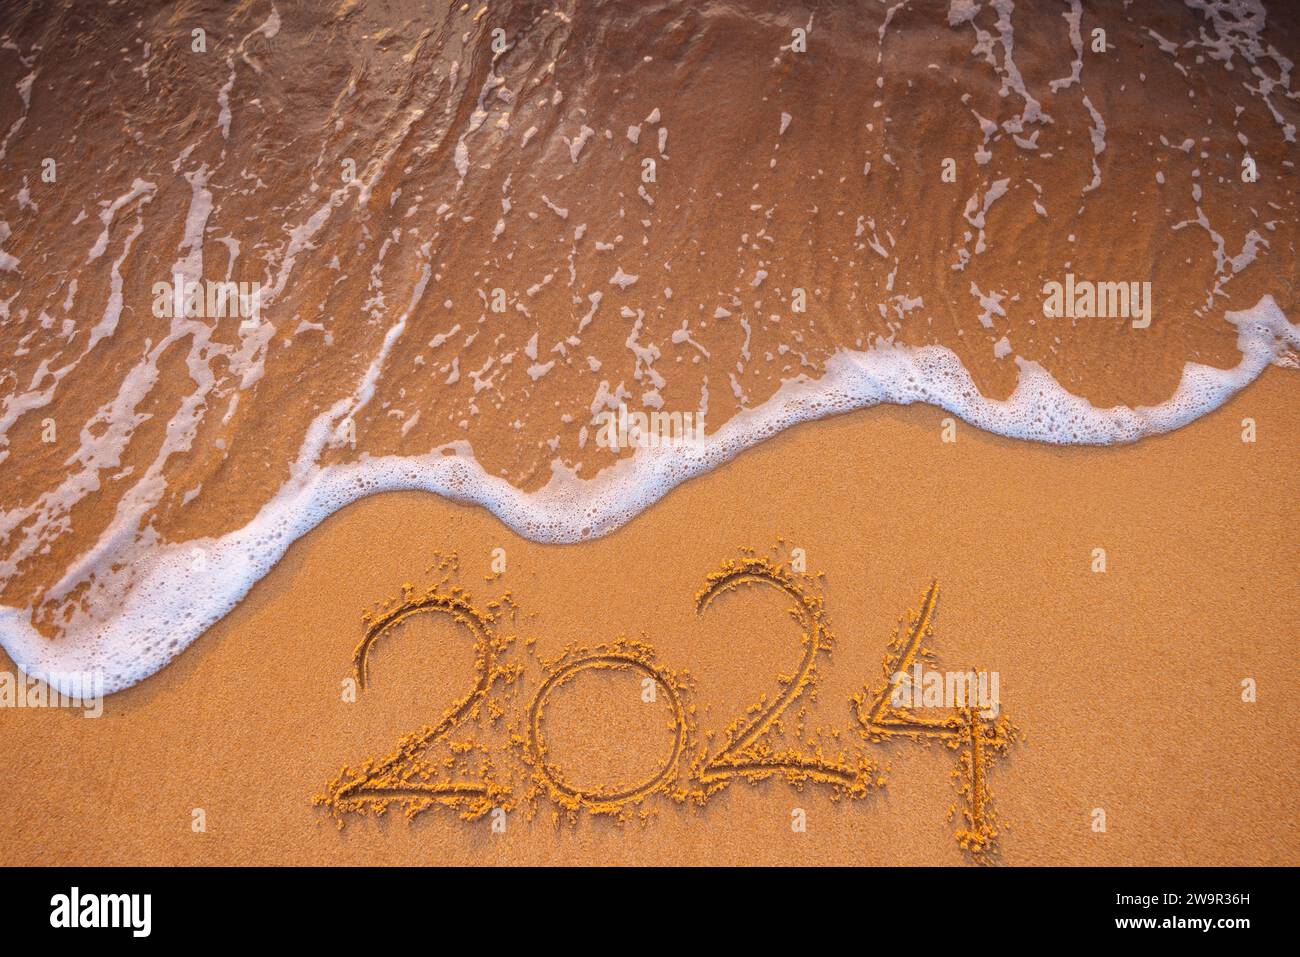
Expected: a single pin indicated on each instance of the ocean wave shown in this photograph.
(181, 590)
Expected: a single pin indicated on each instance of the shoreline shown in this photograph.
(216, 575)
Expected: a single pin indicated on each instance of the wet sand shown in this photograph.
(1126, 684)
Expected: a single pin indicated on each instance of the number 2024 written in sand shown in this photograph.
(445, 764)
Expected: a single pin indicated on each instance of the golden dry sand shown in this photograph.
(1126, 685)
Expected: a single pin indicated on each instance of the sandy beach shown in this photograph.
(1126, 684)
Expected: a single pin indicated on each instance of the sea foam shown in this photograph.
(180, 590)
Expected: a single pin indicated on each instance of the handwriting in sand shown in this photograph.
(441, 764)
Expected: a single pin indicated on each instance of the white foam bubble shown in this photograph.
(179, 591)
